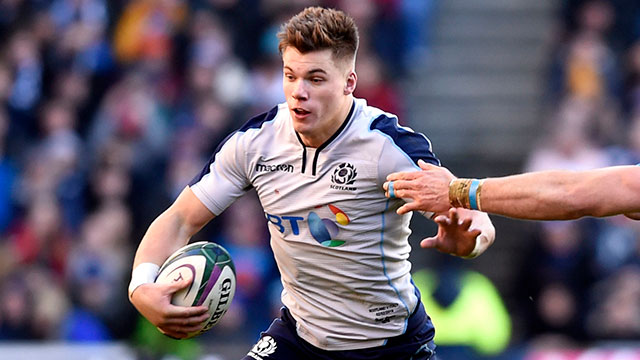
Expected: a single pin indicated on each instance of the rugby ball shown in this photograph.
(213, 275)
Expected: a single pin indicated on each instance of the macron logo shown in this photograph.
(271, 168)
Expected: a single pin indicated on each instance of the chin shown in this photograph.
(300, 124)
(301, 127)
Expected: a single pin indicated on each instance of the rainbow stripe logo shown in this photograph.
(325, 230)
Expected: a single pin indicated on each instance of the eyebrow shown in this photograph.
(312, 71)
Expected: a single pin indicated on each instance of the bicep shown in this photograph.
(173, 228)
(192, 212)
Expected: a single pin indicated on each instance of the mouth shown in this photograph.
(301, 112)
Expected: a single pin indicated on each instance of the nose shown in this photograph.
(299, 91)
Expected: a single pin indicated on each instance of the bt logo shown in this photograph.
(323, 230)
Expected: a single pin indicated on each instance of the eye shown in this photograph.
(317, 80)
(289, 77)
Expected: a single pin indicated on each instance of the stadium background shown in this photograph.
(107, 109)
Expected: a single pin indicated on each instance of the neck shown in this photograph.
(319, 138)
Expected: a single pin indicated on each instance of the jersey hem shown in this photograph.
(342, 346)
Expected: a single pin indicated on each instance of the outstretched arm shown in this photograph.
(564, 195)
(544, 195)
(168, 232)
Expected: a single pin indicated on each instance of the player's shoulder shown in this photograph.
(261, 126)
(367, 114)
(386, 127)
(264, 120)
(377, 119)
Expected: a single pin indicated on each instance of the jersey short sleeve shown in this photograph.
(404, 148)
(223, 179)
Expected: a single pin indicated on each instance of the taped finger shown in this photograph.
(392, 193)
(482, 243)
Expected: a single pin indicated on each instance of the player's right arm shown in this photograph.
(169, 231)
(461, 232)
(222, 180)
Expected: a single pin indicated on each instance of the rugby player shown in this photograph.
(317, 163)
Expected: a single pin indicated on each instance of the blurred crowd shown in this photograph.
(108, 109)
(583, 284)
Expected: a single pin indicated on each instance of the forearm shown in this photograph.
(563, 195)
(172, 229)
(535, 196)
(167, 233)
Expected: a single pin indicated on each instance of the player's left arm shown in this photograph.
(461, 232)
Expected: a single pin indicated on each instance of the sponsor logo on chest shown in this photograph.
(272, 167)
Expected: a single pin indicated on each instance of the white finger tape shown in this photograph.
(482, 243)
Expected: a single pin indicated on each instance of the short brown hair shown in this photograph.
(317, 28)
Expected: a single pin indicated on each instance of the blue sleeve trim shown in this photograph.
(415, 145)
(384, 267)
(255, 122)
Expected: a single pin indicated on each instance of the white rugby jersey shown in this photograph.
(341, 249)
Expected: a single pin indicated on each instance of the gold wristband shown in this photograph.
(452, 191)
(459, 193)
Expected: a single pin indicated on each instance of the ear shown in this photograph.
(350, 84)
